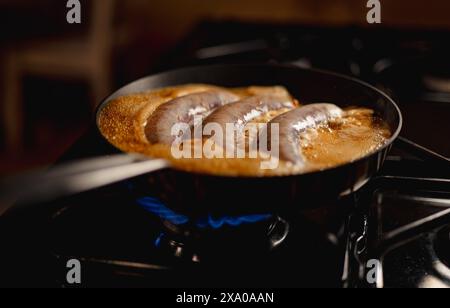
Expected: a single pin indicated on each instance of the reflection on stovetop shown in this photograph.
(442, 244)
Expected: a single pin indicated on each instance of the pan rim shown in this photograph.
(387, 144)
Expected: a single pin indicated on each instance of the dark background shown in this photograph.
(53, 101)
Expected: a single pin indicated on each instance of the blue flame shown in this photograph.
(155, 206)
(231, 221)
(159, 239)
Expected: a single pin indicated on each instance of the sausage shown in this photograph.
(183, 110)
(293, 123)
(244, 111)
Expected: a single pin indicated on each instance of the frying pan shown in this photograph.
(198, 194)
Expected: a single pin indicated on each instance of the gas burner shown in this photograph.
(442, 245)
(421, 86)
(424, 77)
(437, 83)
(211, 238)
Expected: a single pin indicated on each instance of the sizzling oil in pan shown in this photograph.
(357, 133)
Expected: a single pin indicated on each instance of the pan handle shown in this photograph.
(75, 177)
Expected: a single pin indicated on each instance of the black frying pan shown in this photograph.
(198, 194)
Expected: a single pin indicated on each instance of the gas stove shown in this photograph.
(401, 219)
(402, 222)
(394, 232)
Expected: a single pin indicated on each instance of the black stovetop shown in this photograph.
(401, 218)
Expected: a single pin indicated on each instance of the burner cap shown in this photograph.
(416, 77)
(200, 245)
(443, 245)
(213, 238)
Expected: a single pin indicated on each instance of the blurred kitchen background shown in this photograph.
(53, 74)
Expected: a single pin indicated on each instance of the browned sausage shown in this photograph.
(183, 110)
(293, 123)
